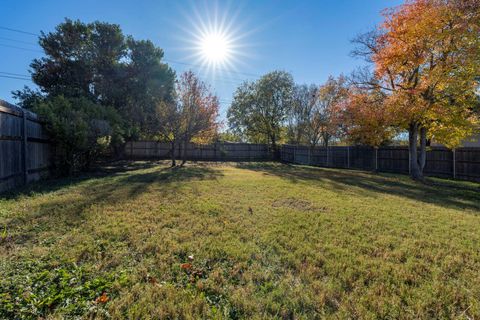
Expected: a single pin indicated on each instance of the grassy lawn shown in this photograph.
(252, 240)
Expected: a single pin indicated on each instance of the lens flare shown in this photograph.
(215, 40)
(215, 48)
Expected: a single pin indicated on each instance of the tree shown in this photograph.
(324, 121)
(168, 125)
(147, 82)
(314, 117)
(426, 57)
(259, 109)
(229, 136)
(299, 117)
(191, 116)
(97, 62)
(364, 118)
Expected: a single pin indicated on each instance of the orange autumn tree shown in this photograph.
(191, 117)
(426, 58)
(364, 118)
(198, 111)
(326, 120)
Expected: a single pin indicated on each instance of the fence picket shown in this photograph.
(25, 150)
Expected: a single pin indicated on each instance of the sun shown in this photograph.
(214, 41)
(215, 48)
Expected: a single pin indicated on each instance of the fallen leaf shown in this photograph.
(186, 266)
(102, 299)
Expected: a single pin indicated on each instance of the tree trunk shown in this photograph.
(417, 161)
(172, 153)
(325, 138)
(276, 154)
(184, 154)
(422, 158)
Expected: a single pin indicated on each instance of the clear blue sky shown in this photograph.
(310, 39)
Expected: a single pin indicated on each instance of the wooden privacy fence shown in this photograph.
(461, 163)
(220, 151)
(25, 150)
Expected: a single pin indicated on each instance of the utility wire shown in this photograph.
(15, 74)
(13, 77)
(19, 31)
(19, 41)
(19, 48)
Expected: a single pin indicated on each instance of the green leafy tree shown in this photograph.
(96, 61)
(260, 109)
(299, 118)
(229, 136)
(80, 128)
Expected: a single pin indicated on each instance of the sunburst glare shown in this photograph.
(216, 40)
(215, 47)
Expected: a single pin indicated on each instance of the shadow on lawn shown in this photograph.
(453, 194)
(67, 209)
(56, 183)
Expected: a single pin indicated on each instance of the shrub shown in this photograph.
(81, 129)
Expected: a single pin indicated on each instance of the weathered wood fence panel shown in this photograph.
(462, 163)
(25, 149)
(199, 152)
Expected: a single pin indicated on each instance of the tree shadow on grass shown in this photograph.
(446, 193)
(69, 208)
(56, 183)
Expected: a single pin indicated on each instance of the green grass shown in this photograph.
(268, 241)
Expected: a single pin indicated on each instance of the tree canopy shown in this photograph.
(259, 109)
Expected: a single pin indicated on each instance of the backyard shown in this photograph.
(245, 240)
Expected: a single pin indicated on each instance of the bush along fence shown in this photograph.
(25, 149)
(461, 163)
(220, 151)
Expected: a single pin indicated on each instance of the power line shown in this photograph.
(19, 41)
(19, 48)
(14, 77)
(15, 74)
(19, 31)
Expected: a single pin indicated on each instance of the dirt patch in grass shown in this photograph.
(297, 204)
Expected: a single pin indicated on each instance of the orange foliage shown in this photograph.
(365, 118)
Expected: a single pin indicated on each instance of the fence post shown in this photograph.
(309, 156)
(409, 163)
(24, 148)
(348, 156)
(454, 165)
(376, 158)
(327, 155)
(295, 154)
